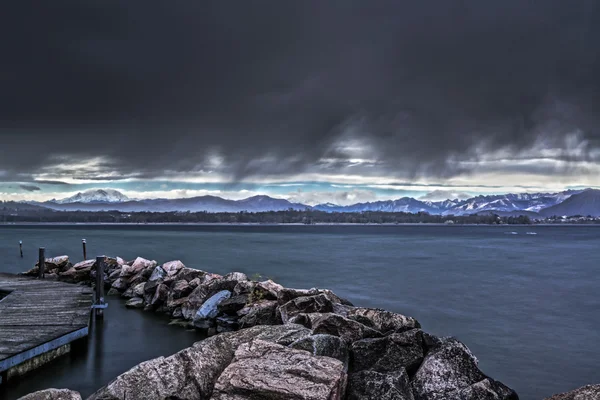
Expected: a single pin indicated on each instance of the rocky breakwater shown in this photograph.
(271, 342)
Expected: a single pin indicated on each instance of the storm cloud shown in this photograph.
(144, 89)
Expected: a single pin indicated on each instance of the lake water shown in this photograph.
(528, 306)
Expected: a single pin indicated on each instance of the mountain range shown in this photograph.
(570, 202)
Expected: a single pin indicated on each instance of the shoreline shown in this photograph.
(274, 224)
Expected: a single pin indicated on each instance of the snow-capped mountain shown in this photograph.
(110, 199)
(511, 202)
(405, 204)
(95, 196)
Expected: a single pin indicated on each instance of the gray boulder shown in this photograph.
(389, 353)
(449, 369)
(121, 284)
(160, 296)
(180, 288)
(324, 345)
(319, 303)
(189, 274)
(281, 334)
(270, 371)
(137, 266)
(286, 294)
(204, 317)
(138, 290)
(172, 268)
(188, 374)
(157, 274)
(370, 385)
(234, 304)
(52, 394)
(488, 389)
(135, 302)
(381, 320)
(332, 324)
(205, 290)
(589, 392)
(260, 313)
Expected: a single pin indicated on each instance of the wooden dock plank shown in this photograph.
(37, 312)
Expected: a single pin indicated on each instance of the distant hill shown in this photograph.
(192, 204)
(584, 203)
(14, 206)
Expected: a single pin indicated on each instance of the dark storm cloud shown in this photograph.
(274, 86)
(29, 188)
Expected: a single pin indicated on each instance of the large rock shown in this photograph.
(449, 369)
(370, 385)
(121, 284)
(158, 274)
(188, 374)
(189, 274)
(286, 294)
(388, 353)
(138, 265)
(319, 303)
(204, 317)
(381, 320)
(160, 296)
(135, 302)
(53, 394)
(280, 334)
(489, 389)
(191, 373)
(172, 268)
(260, 313)
(234, 304)
(73, 275)
(180, 288)
(324, 345)
(206, 289)
(589, 392)
(138, 290)
(265, 370)
(336, 325)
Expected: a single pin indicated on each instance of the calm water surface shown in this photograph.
(527, 305)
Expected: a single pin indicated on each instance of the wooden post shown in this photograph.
(84, 249)
(41, 262)
(99, 286)
(21, 247)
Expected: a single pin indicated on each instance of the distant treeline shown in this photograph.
(8, 215)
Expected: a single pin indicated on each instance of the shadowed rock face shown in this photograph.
(53, 394)
(271, 371)
(324, 345)
(390, 353)
(189, 374)
(589, 392)
(368, 385)
(448, 372)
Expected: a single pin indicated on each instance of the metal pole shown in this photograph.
(41, 262)
(21, 247)
(84, 249)
(99, 285)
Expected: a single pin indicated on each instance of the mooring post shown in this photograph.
(21, 247)
(84, 250)
(99, 286)
(41, 262)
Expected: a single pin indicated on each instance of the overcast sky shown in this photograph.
(337, 101)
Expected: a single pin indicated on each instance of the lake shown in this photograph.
(527, 305)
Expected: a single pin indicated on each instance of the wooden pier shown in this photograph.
(38, 321)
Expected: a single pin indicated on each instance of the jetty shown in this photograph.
(39, 319)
